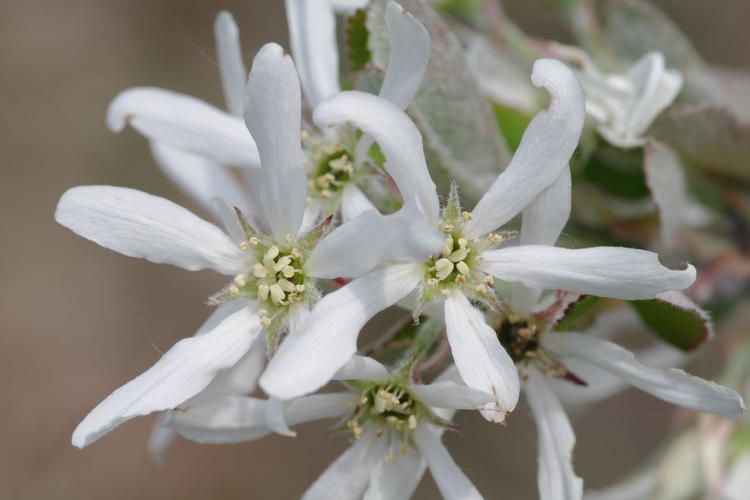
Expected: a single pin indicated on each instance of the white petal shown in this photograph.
(185, 370)
(234, 419)
(184, 122)
(371, 239)
(451, 395)
(354, 202)
(306, 362)
(230, 221)
(312, 29)
(450, 480)
(347, 477)
(665, 176)
(409, 55)
(657, 88)
(556, 478)
(737, 484)
(275, 417)
(481, 360)
(200, 177)
(161, 438)
(231, 65)
(672, 385)
(348, 6)
(241, 378)
(362, 368)
(272, 114)
(615, 272)
(396, 480)
(543, 221)
(138, 224)
(298, 315)
(546, 147)
(398, 138)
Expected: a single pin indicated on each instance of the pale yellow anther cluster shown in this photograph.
(274, 276)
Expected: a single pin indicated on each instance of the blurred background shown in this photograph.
(77, 321)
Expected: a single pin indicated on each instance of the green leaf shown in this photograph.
(707, 136)
(357, 36)
(575, 312)
(675, 319)
(617, 171)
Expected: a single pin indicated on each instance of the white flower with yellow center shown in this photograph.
(274, 273)
(207, 151)
(548, 359)
(623, 106)
(466, 258)
(396, 425)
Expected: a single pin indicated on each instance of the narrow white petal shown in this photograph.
(546, 147)
(241, 378)
(543, 221)
(615, 272)
(185, 370)
(371, 239)
(657, 88)
(306, 362)
(347, 477)
(234, 419)
(397, 480)
(184, 122)
(398, 138)
(272, 114)
(556, 478)
(672, 385)
(665, 176)
(138, 224)
(312, 29)
(354, 202)
(479, 357)
(362, 368)
(348, 6)
(200, 177)
(231, 65)
(451, 481)
(409, 55)
(161, 438)
(451, 395)
(275, 417)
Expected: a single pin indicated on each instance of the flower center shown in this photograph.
(331, 167)
(519, 338)
(393, 412)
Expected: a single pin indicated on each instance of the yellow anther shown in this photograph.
(446, 293)
(459, 254)
(432, 282)
(282, 263)
(460, 279)
(467, 216)
(489, 280)
(358, 431)
(404, 450)
(288, 239)
(295, 253)
(390, 458)
(323, 182)
(463, 268)
(262, 312)
(240, 280)
(244, 245)
(325, 194)
(462, 242)
(412, 422)
(265, 321)
(254, 240)
(478, 260)
(263, 292)
(447, 228)
(304, 135)
(288, 272)
(480, 288)
(443, 268)
(234, 291)
(299, 288)
(259, 270)
(448, 246)
(277, 294)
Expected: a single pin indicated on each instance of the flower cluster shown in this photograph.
(322, 225)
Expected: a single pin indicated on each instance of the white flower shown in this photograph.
(274, 273)
(197, 145)
(396, 424)
(624, 106)
(544, 355)
(462, 266)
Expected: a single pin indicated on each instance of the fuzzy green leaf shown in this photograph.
(356, 41)
(675, 319)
